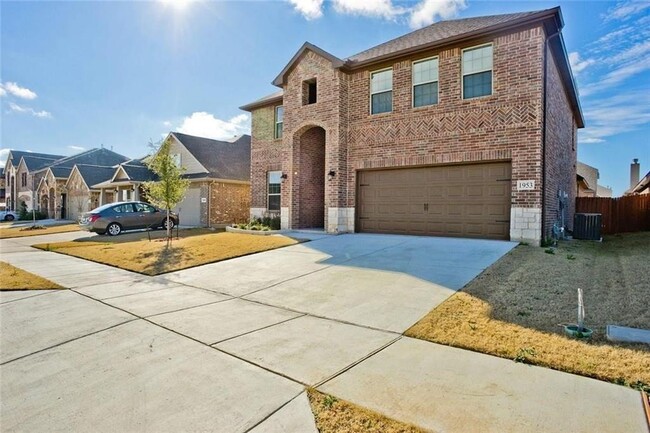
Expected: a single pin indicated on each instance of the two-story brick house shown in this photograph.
(462, 128)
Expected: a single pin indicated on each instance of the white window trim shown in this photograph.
(275, 122)
(413, 84)
(376, 93)
(269, 194)
(462, 72)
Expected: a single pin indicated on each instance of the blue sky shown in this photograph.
(77, 75)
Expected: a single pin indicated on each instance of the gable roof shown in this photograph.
(61, 172)
(138, 172)
(15, 155)
(97, 156)
(336, 62)
(222, 159)
(94, 174)
(35, 163)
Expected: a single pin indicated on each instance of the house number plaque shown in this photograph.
(525, 185)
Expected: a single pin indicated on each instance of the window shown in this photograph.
(309, 92)
(279, 115)
(123, 208)
(477, 72)
(381, 92)
(275, 188)
(176, 157)
(141, 207)
(425, 82)
(23, 179)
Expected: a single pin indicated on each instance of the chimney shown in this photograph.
(635, 169)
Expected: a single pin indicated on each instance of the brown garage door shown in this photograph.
(470, 200)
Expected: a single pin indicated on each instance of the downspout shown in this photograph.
(544, 86)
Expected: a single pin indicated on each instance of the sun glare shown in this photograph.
(177, 4)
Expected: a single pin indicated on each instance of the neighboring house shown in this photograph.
(603, 191)
(219, 171)
(638, 186)
(81, 196)
(51, 180)
(18, 178)
(3, 192)
(587, 182)
(462, 128)
(125, 183)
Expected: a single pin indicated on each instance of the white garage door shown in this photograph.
(189, 209)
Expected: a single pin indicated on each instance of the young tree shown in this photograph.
(169, 190)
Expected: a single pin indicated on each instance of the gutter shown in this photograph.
(546, 47)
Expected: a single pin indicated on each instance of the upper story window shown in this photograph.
(274, 190)
(381, 91)
(425, 82)
(309, 92)
(176, 157)
(477, 71)
(23, 179)
(279, 116)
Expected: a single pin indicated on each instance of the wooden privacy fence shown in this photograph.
(622, 214)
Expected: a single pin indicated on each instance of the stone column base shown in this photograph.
(284, 218)
(340, 220)
(526, 225)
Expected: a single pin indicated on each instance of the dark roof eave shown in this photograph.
(263, 103)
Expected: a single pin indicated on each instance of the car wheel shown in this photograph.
(9, 217)
(114, 229)
(171, 224)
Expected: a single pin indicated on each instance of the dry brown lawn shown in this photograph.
(515, 308)
(134, 251)
(339, 416)
(12, 278)
(20, 232)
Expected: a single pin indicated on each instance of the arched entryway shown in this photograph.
(310, 146)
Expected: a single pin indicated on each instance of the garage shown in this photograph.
(189, 209)
(471, 200)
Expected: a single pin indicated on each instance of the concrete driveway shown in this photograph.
(229, 347)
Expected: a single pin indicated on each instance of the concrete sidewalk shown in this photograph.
(230, 346)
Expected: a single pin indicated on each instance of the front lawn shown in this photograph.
(334, 416)
(29, 230)
(13, 278)
(134, 251)
(516, 307)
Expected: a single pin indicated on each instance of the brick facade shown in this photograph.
(229, 203)
(504, 126)
(560, 152)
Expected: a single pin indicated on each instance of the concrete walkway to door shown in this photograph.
(230, 346)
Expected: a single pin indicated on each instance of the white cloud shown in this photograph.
(4, 153)
(3, 92)
(421, 14)
(77, 148)
(204, 124)
(16, 90)
(28, 110)
(167, 123)
(625, 10)
(368, 8)
(310, 9)
(429, 11)
(578, 65)
(615, 115)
